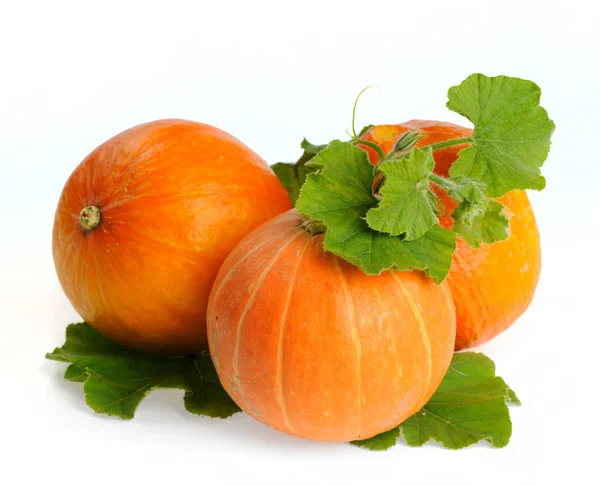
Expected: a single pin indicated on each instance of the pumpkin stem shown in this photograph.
(90, 217)
(314, 227)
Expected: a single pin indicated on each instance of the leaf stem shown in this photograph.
(373, 145)
(449, 143)
(395, 155)
(440, 181)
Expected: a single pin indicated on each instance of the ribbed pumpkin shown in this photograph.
(310, 345)
(144, 223)
(494, 284)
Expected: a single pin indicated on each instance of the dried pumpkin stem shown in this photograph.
(314, 227)
(90, 217)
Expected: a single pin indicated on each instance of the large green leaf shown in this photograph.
(511, 138)
(115, 380)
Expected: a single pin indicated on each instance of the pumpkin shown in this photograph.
(144, 223)
(310, 345)
(491, 285)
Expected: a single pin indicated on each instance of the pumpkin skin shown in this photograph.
(491, 285)
(308, 344)
(175, 197)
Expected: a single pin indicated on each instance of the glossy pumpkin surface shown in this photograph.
(174, 197)
(310, 345)
(494, 284)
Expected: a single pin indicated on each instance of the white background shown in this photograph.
(72, 74)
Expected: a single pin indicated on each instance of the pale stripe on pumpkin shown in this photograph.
(238, 262)
(258, 284)
(279, 396)
(424, 336)
(355, 338)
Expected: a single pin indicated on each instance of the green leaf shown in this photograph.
(407, 206)
(489, 227)
(472, 191)
(511, 138)
(469, 406)
(115, 380)
(341, 184)
(339, 194)
(311, 149)
(380, 442)
(511, 397)
(292, 176)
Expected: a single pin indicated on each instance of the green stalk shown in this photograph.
(373, 145)
(449, 143)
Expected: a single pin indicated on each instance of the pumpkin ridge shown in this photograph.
(97, 272)
(232, 270)
(250, 302)
(424, 336)
(279, 396)
(447, 293)
(137, 234)
(355, 338)
(65, 252)
(119, 202)
(392, 341)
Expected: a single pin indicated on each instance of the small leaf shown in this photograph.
(489, 227)
(116, 380)
(469, 406)
(407, 207)
(291, 176)
(470, 190)
(311, 149)
(511, 138)
(339, 194)
(380, 442)
(204, 394)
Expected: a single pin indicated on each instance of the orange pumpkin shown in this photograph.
(494, 284)
(144, 223)
(310, 345)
